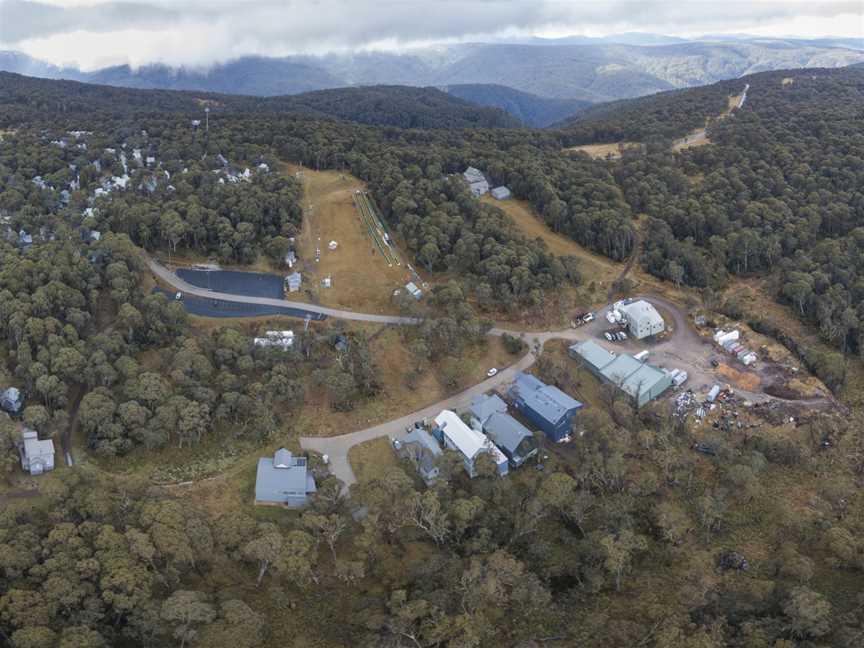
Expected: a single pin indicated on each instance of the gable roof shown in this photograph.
(546, 400)
(469, 442)
(506, 431)
(593, 354)
(483, 406)
(642, 311)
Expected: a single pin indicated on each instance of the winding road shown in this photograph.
(683, 348)
(185, 287)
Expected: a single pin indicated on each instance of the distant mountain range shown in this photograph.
(573, 68)
(529, 109)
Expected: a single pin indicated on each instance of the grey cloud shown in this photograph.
(207, 31)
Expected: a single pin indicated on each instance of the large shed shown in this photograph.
(640, 380)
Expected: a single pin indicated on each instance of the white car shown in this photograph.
(608, 336)
(178, 296)
(493, 371)
(588, 318)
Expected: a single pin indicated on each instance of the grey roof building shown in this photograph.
(11, 400)
(423, 450)
(476, 181)
(293, 281)
(483, 406)
(283, 479)
(643, 320)
(37, 456)
(640, 380)
(501, 193)
(511, 437)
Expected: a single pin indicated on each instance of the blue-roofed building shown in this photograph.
(489, 414)
(283, 479)
(546, 406)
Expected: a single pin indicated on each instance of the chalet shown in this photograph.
(489, 414)
(476, 181)
(11, 400)
(546, 406)
(422, 450)
(37, 456)
(283, 479)
(454, 434)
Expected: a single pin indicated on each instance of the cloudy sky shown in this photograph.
(96, 33)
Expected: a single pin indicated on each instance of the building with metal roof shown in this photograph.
(283, 479)
(501, 193)
(640, 380)
(476, 181)
(37, 456)
(643, 320)
(455, 435)
(293, 281)
(489, 414)
(546, 406)
(422, 450)
(512, 438)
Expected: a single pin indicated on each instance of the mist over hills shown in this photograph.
(572, 68)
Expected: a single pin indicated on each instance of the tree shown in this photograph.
(326, 527)
(265, 550)
(186, 610)
(620, 549)
(808, 613)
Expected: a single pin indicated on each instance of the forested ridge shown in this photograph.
(26, 98)
(627, 537)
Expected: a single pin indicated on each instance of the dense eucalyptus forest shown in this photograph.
(625, 538)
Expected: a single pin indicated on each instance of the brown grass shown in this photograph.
(369, 460)
(740, 379)
(604, 151)
(361, 278)
(396, 398)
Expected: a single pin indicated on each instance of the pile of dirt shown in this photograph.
(741, 379)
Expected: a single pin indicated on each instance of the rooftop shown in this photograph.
(547, 400)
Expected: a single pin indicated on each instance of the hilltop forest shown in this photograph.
(625, 538)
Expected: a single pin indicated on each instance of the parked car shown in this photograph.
(623, 335)
(178, 296)
(714, 362)
(493, 371)
(589, 317)
(608, 336)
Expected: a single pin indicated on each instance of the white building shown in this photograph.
(643, 320)
(282, 339)
(476, 181)
(37, 456)
(469, 443)
(501, 193)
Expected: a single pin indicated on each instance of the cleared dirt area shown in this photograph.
(788, 81)
(605, 151)
(361, 278)
(698, 136)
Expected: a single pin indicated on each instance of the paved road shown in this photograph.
(185, 287)
(337, 447)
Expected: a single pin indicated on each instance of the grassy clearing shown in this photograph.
(397, 398)
(369, 460)
(361, 277)
(604, 151)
